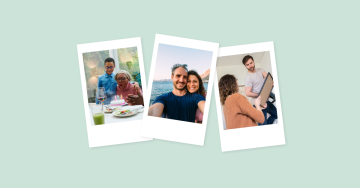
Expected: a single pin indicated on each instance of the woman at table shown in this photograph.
(238, 111)
(124, 87)
(195, 85)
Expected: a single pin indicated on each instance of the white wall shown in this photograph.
(265, 62)
(233, 65)
(239, 71)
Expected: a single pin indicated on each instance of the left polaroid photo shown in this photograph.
(114, 90)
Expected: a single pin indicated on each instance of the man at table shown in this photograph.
(107, 80)
(178, 104)
(253, 82)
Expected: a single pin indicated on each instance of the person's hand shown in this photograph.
(263, 107)
(257, 101)
(135, 99)
(137, 88)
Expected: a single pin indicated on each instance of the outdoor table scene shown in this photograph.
(114, 87)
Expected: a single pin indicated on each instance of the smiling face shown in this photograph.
(109, 67)
(192, 84)
(250, 65)
(179, 78)
(121, 80)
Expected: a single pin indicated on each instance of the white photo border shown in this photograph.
(174, 130)
(114, 133)
(251, 137)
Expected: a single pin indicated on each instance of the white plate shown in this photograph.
(133, 113)
(112, 109)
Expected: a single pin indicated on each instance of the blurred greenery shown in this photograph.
(94, 67)
(128, 64)
(129, 61)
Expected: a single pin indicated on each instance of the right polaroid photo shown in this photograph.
(248, 98)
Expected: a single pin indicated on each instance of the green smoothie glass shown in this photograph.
(98, 114)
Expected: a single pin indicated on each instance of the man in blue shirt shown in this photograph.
(178, 104)
(107, 80)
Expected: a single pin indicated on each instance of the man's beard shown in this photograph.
(252, 68)
(179, 88)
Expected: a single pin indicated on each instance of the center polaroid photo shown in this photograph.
(180, 85)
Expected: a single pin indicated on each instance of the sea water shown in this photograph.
(160, 88)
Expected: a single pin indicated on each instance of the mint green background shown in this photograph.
(317, 54)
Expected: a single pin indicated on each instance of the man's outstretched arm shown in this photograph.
(201, 106)
(156, 110)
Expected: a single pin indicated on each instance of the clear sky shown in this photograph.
(168, 55)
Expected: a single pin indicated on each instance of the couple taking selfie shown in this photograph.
(238, 111)
(119, 84)
(186, 102)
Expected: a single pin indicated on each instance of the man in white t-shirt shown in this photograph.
(253, 82)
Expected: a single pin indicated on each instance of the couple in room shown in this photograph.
(119, 84)
(186, 102)
(238, 111)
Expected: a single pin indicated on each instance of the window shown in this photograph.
(125, 59)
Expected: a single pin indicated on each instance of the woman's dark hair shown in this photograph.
(227, 86)
(201, 89)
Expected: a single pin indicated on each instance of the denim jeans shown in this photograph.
(271, 109)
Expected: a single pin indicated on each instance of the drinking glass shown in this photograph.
(101, 95)
(98, 114)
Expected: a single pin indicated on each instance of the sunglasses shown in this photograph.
(109, 67)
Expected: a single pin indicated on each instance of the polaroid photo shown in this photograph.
(180, 85)
(114, 90)
(240, 75)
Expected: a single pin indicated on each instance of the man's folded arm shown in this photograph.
(249, 93)
(156, 110)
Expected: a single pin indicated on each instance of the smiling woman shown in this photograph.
(195, 85)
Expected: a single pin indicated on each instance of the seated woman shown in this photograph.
(124, 87)
(237, 109)
(195, 85)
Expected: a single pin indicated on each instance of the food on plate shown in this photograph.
(123, 112)
(111, 109)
